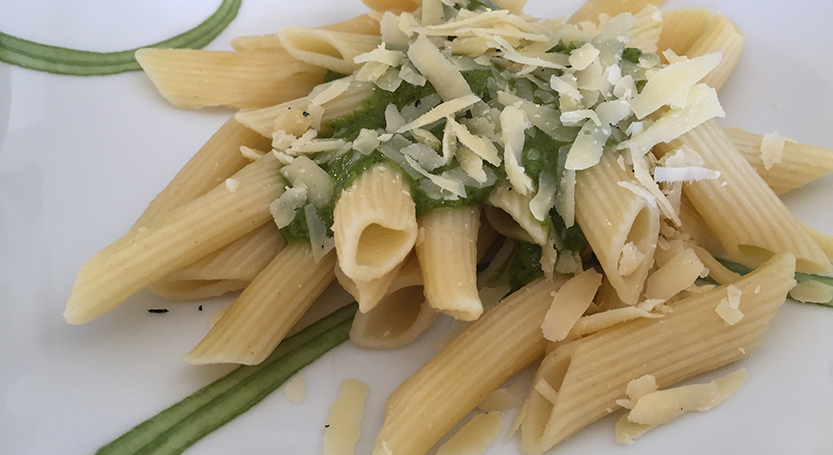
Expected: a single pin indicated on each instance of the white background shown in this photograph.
(81, 157)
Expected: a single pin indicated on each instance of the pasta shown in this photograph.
(598, 157)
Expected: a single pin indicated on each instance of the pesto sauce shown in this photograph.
(540, 154)
(525, 265)
(349, 166)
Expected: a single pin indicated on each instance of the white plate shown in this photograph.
(81, 157)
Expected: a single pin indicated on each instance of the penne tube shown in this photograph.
(174, 240)
(215, 161)
(396, 6)
(580, 382)
(327, 49)
(697, 32)
(266, 310)
(368, 293)
(516, 205)
(362, 25)
(621, 226)
(799, 165)
(592, 8)
(448, 258)
(748, 218)
(499, 344)
(400, 316)
(374, 224)
(230, 268)
(193, 79)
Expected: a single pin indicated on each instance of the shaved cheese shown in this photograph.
(588, 147)
(565, 199)
(731, 315)
(371, 71)
(568, 263)
(409, 74)
(392, 35)
(286, 206)
(343, 427)
(475, 437)
(454, 187)
(427, 158)
(390, 81)
(672, 82)
(509, 53)
(812, 292)
(381, 55)
(544, 118)
(445, 109)
(393, 119)
(684, 174)
(640, 171)
(573, 118)
(639, 191)
(640, 387)
(582, 57)
(733, 294)
(513, 124)
(334, 89)
(570, 303)
(318, 183)
(471, 163)
(315, 146)
(772, 149)
(443, 75)
(566, 85)
(499, 400)
(702, 106)
(674, 276)
(296, 389)
(663, 406)
(625, 88)
(427, 138)
(449, 143)
(320, 242)
(630, 259)
(549, 257)
(366, 142)
(483, 147)
(612, 112)
(544, 199)
(232, 184)
(250, 153)
(605, 319)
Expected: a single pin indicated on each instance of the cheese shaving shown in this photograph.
(445, 109)
(684, 174)
(570, 303)
(772, 149)
(333, 90)
(475, 437)
(812, 292)
(605, 319)
(343, 427)
(630, 259)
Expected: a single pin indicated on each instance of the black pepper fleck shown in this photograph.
(306, 114)
(157, 310)
(327, 426)
(200, 308)
(417, 103)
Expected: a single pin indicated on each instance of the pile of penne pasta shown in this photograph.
(577, 161)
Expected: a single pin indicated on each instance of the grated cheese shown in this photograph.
(296, 389)
(445, 109)
(812, 292)
(286, 206)
(475, 437)
(443, 75)
(569, 304)
(320, 242)
(480, 145)
(318, 183)
(333, 90)
(605, 319)
(630, 259)
(672, 82)
(393, 119)
(232, 184)
(684, 174)
(582, 57)
(366, 142)
(343, 427)
(772, 149)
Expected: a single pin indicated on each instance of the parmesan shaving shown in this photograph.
(582, 57)
(475, 437)
(296, 389)
(630, 259)
(318, 183)
(232, 184)
(366, 142)
(605, 319)
(456, 188)
(570, 303)
(812, 292)
(663, 406)
(393, 119)
(320, 242)
(478, 144)
(684, 174)
(445, 109)
(639, 191)
(335, 89)
(772, 149)
(286, 206)
(343, 427)
(443, 75)
(250, 153)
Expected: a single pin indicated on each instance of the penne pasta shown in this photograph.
(582, 380)
(173, 241)
(620, 225)
(213, 163)
(799, 164)
(363, 25)
(193, 79)
(447, 256)
(374, 224)
(266, 310)
(592, 8)
(230, 268)
(455, 380)
(748, 218)
(327, 49)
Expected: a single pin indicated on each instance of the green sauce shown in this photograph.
(525, 265)
(347, 167)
